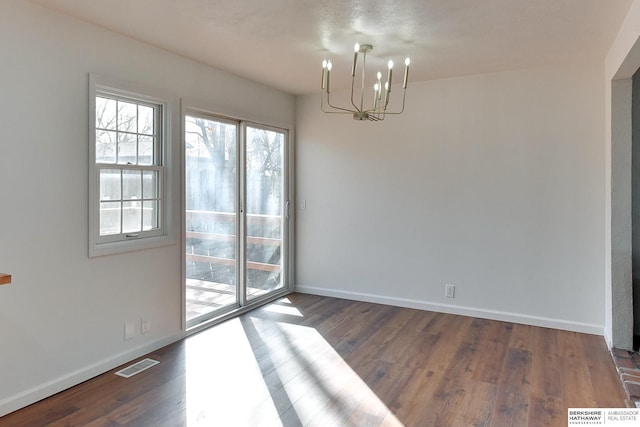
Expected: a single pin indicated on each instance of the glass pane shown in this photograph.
(106, 146)
(131, 217)
(110, 218)
(131, 185)
(210, 186)
(145, 150)
(105, 113)
(127, 116)
(127, 147)
(149, 215)
(150, 185)
(110, 184)
(265, 152)
(145, 120)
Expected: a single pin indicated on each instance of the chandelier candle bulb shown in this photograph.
(390, 64)
(356, 49)
(329, 66)
(324, 74)
(406, 72)
(386, 95)
(375, 96)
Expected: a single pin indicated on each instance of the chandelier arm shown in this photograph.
(322, 106)
(346, 110)
(383, 112)
(375, 115)
(353, 80)
(364, 67)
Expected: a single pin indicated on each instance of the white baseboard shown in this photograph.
(504, 316)
(73, 378)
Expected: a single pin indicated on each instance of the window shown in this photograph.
(128, 144)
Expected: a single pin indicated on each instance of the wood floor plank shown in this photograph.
(577, 389)
(450, 331)
(350, 334)
(389, 380)
(521, 337)
(465, 408)
(452, 393)
(495, 342)
(406, 349)
(546, 411)
(310, 360)
(415, 406)
(512, 404)
(546, 377)
(602, 374)
(569, 344)
(474, 411)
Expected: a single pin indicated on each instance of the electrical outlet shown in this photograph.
(145, 326)
(449, 291)
(129, 330)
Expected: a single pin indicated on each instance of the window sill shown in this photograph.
(112, 248)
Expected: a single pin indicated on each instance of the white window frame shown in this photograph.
(126, 242)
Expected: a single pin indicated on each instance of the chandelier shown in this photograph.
(377, 103)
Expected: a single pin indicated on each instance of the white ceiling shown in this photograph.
(281, 43)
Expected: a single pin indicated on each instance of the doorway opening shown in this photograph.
(635, 205)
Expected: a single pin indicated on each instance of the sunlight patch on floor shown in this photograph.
(223, 379)
(256, 371)
(276, 308)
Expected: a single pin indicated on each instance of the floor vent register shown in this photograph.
(137, 367)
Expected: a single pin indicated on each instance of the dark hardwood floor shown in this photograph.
(308, 360)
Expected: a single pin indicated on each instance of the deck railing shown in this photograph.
(205, 220)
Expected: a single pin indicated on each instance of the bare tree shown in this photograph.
(264, 158)
(213, 137)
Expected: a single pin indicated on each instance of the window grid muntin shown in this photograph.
(158, 170)
(155, 133)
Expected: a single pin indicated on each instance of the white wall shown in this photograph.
(493, 183)
(61, 320)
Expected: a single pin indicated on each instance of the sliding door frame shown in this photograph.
(287, 220)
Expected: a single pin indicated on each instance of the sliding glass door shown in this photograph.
(235, 215)
(265, 221)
